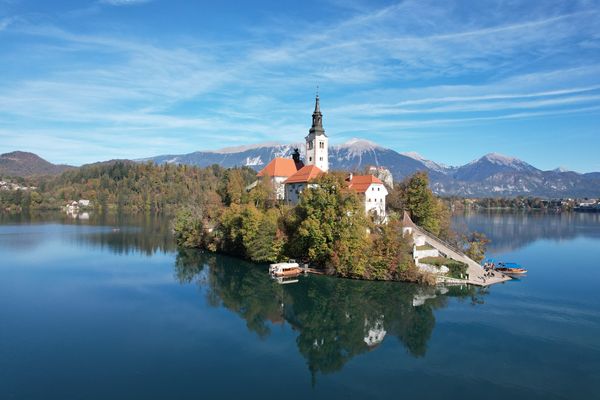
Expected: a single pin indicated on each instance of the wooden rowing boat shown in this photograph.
(512, 271)
(288, 272)
(510, 268)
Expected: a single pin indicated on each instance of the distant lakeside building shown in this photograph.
(290, 177)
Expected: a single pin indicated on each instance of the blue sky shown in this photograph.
(82, 81)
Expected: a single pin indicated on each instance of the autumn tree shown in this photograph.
(263, 194)
(331, 227)
(391, 252)
(475, 245)
(188, 228)
(267, 244)
(426, 210)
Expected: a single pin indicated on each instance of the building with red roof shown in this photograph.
(278, 170)
(279, 167)
(295, 184)
(373, 192)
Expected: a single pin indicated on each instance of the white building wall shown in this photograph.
(279, 187)
(419, 240)
(375, 199)
(418, 254)
(294, 190)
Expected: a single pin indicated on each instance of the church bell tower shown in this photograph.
(317, 142)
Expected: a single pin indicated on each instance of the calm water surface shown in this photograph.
(88, 311)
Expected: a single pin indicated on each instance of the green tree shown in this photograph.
(420, 202)
(476, 245)
(237, 229)
(331, 227)
(414, 195)
(263, 194)
(188, 228)
(267, 244)
(391, 252)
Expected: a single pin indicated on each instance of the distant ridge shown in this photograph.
(21, 163)
(238, 149)
(493, 175)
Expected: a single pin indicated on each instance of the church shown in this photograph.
(290, 177)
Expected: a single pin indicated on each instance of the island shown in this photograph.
(339, 222)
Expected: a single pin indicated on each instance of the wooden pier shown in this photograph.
(315, 271)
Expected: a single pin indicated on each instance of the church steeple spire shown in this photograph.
(317, 118)
(317, 141)
(317, 107)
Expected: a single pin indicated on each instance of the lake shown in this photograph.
(107, 308)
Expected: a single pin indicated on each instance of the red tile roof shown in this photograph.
(305, 174)
(279, 167)
(360, 183)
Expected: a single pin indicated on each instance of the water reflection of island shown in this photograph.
(336, 319)
(511, 230)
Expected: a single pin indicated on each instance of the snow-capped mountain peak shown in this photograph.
(501, 159)
(239, 149)
(356, 147)
(561, 169)
(443, 168)
(359, 144)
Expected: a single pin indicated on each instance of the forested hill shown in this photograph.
(129, 186)
(492, 175)
(21, 163)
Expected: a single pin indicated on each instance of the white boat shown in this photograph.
(290, 268)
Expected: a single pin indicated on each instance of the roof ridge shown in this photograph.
(279, 166)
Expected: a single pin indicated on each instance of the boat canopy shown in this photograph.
(510, 265)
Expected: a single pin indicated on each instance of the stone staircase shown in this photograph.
(474, 270)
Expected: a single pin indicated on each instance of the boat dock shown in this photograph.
(315, 271)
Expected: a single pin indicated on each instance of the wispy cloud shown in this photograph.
(4, 23)
(411, 65)
(123, 2)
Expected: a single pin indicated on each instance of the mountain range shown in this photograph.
(492, 175)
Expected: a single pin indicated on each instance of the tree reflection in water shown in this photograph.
(120, 233)
(336, 319)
